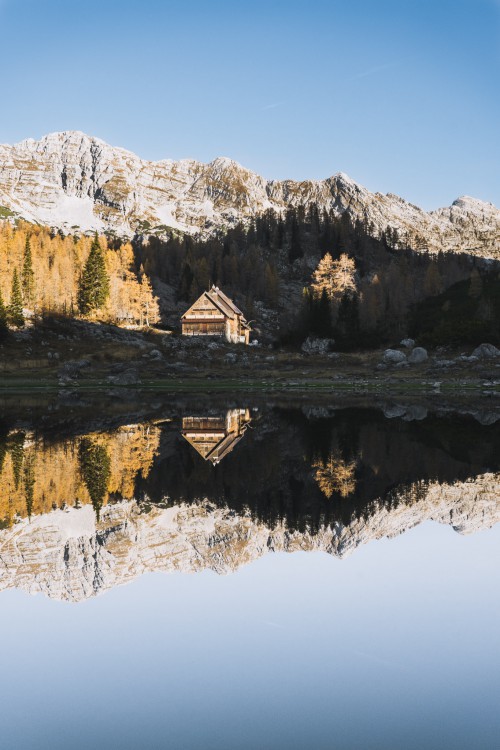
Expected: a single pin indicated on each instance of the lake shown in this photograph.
(233, 572)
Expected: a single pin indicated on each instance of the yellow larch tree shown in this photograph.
(335, 475)
(335, 277)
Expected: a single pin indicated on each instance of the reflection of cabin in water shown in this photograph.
(215, 437)
(214, 314)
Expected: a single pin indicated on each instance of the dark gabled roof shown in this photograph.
(221, 304)
(226, 299)
(221, 301)
(211, 299)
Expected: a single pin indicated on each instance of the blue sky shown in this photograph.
(403, 96)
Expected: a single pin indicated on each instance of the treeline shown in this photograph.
(318, 273)
(466, 313)
(42, 272)
(274, 260)
(383, 305)
(243, 261)
(38, 476)
(311, 472)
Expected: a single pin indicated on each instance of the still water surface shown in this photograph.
(355, 640)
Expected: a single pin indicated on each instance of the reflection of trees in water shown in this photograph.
(361, 459)
(307, 471)
(95, 467)
(16, 450)
(39, 474)
(29, 482)
(335, 476)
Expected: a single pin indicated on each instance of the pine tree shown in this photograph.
(93, 287)
(16, 450)
(27, 275)
(29, 483)
(323, 316)
(475, 284)
(433, 283)
(348, 321)
(3, 318)
(95, 468)
(15, 312)
(295, 250)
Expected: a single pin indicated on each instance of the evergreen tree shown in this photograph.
(295, 250)
(16, 315)
(185, 283)
(27, 275)
(323, 318)
(95, 468)
(16, 450)
(348, 320)
(3, 449)
(3, 318)
(433, 283)
(29, 483)
(93, 287)
(475, 284)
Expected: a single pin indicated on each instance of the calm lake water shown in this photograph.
(226, 574)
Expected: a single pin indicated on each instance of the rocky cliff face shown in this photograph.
(67, 555)
(71, 181)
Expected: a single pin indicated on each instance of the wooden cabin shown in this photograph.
(214, 314)
(215, 437)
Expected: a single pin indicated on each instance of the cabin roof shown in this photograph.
(221, 304)
(221, 301)
(225, 298)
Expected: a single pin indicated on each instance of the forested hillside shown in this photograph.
(303, 273)
(42, 273)
(311, 273)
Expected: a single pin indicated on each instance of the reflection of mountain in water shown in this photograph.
(215, 437)
(317, 470)
(328, 482)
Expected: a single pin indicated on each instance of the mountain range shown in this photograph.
(73, 182)
(69, 555)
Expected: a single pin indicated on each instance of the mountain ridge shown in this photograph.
(69, 555)
(74, 182)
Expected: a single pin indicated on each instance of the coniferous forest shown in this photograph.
(316, 274)
(304, 273)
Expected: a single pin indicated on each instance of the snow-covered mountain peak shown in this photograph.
(72, 181)
(467, 202)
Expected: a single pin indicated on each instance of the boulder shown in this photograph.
(415, 413)
(393, 357)
(72, 370)
(486, 351)
(130, 377)
(392, 411)
(407, 343)
(417, 355)
(314, 345)
(487, 417)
